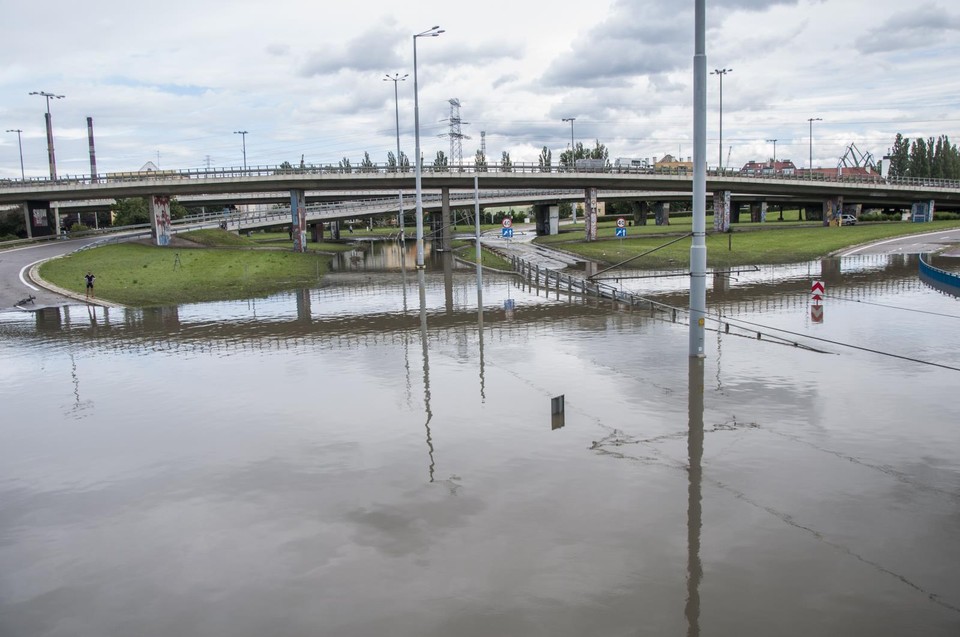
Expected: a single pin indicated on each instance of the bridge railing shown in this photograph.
(520, 167)
(942, 280)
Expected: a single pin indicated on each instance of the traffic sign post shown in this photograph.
(816, 291)
(621, 232)
(621, 222)
(506, 233)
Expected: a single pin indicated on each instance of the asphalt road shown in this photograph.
(14, 263)
(913, 244)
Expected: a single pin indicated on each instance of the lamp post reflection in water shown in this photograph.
(694, 512)
(476, 214)
(421, 281)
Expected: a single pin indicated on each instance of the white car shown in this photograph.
(848, 220)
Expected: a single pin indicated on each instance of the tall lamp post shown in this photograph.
(698, 245)
(432, 32)
(51, 157)
(774, 156)
(573, 161)
(811, 120)
(243, 135)
(721, 73)
(395, 78)
(19, 143)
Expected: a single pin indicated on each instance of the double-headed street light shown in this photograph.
(774, 155)
(51, 158)
(721, 73)
(811, 120)
(19, 143)
(573, 162)
(395, 78)
(243, 134)
(432, 32)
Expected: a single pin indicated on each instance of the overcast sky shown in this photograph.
(305, 78)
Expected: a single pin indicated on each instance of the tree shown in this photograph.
(919, 161)
(900, 157)
(505, 165)
(599, 151)
(345, 166)
(367, 164)
(480, 161)
(134, 210)
(546, 160)
(404, 162)
(391, 162)
(440, 161)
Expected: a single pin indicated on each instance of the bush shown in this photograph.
(945, 216)
(78, 227)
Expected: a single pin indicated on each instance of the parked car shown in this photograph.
(848, 220)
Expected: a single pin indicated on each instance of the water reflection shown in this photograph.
(421, 283)
(694, 479)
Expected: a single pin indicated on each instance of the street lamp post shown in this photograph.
(51, 157)
(573, 161)
(811, 120)
(243, 135)
(395, 78)
(432, 32)
(774, 156)
(573, 164)
(19, 143)
(721, 73)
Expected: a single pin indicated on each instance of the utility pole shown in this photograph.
(51, 156)
(774, 156)
(721, 73)
(811, 120)
(243, 135)
(20, 144)
(698, 244)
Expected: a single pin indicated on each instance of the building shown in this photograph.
(769, 168)
(669, 164)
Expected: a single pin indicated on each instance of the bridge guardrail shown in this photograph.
(942, 280)
(523, 168)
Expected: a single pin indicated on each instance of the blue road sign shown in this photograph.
(506, 233)
(621, 232)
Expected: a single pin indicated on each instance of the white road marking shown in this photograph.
(24, 269)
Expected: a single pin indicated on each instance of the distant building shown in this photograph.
(769, 168)
(671, 164)
(862, 173)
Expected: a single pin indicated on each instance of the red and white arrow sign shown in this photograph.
(816, 290)
(816, 313)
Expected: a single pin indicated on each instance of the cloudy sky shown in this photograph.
(171, 81)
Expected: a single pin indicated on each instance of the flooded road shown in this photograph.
(377, 456)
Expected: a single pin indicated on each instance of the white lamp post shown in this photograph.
(51, 157)
(395, 78)
(721, 73)
(243, 135)
(811, 120)
(19, 143)
(432, 32)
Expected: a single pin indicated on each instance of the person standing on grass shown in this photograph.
(89, 277)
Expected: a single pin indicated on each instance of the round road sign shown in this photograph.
(621, 222)
(507, 222)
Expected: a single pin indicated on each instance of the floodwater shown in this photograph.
(378, 457)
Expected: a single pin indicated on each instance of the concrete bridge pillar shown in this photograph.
(26, 220)
(922, 211)
(160, 219)
(641, 210)
(590, 214)
(446, 239)
(721, 211)
(832, 209)
(758, 211)
(661, 213)
(316, 232)
(812, 213)
(304, 313)
(541, 216)
(298, 220)
(335, 230)
(39, 219)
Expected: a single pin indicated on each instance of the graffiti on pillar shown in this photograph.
(590, 214)
(160, 219)
(921, 211)
(298, 220)
(721, 211)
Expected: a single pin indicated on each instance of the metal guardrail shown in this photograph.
(560, 283)
(522, 168)
(942, 280)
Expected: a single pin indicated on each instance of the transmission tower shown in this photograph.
(456, 134)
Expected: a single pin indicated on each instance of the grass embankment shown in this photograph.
(141, 276)
(283, 240)
(754, 244)
(467, 251)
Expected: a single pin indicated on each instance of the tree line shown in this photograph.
(924, 158)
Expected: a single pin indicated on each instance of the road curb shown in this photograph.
(34, 275)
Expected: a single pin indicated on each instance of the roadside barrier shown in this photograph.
(942, 280)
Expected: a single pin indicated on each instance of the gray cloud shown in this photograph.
(916, 28)
(373, 50)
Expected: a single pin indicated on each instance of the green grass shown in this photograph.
(751, 244)
(142, 276)
(216, 238)
(283, 240)
(489, 259)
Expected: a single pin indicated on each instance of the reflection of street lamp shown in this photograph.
(19, 143)
(243, 134)
(432, 32)
(51, 158)
(774, 156)
(573, 162)
(721, 73)
(396, 101)
(811, 120)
